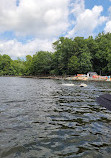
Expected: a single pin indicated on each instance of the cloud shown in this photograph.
(78, 7)
(108, 27)
(86, 20)
(108, 24)
(15, 49)
(45, 20)
(40, 18)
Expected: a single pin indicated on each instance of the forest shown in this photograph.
(71, 56)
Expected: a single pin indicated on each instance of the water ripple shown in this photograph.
(43, 118)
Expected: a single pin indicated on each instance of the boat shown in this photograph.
(83, 85)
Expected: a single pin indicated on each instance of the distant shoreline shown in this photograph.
(70, 78)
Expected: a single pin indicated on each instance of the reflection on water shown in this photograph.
(42, 118)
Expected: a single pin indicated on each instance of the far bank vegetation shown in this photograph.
(71, 56)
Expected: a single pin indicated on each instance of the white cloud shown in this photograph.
(108, 27)
(45, 20)
(108, 23)
(86, 20)
(15, 49)
(78, 7)
(42, 18)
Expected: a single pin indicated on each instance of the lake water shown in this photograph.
(44, 118)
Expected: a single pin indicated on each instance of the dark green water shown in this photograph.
(41, 118)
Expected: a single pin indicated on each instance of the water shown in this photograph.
(41, 118)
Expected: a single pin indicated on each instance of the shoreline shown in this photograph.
(66, 78)
(70, 78)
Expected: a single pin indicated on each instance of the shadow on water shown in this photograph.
(45, 118)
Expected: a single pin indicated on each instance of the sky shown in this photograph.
(29, 26)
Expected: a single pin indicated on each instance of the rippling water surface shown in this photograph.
(41, 118)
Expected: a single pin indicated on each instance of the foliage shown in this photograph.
(71, 56)
(5, 65)
(28, 65)
(11, 67)
(41, 63)
(18, 67)
(73, 65)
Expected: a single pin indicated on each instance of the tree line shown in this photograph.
(71, 56)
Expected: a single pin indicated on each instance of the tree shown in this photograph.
(85, 60)
(101, 55)
(41, 63)
(5, 65)
(73, 65)
(28, 65)
(71, 56)
(18, 67)
(64, 50)
(109, 62)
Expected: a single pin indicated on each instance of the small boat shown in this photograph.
(83, 85)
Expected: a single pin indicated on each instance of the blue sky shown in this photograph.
(28, 26)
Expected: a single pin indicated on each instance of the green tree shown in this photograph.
(5, 65)
(18, 67)
(109, 62)
(28, 65)
(101, 56)
(64, 50)
(41, 63)
(73, 65)
(85, 60)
